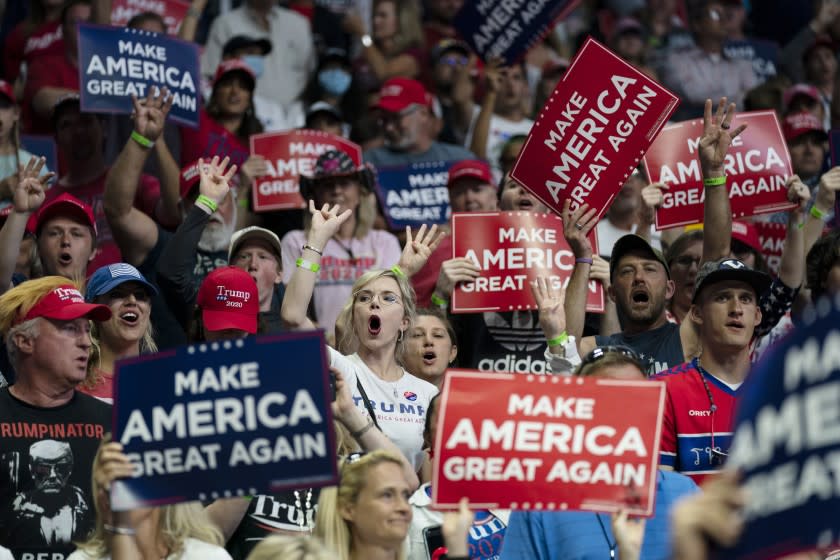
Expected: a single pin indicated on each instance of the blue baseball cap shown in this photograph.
(729, 269)
(109, 277)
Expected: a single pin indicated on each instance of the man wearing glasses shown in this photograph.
(409, 128)
(702, 394)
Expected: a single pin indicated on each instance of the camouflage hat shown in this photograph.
(335, 163)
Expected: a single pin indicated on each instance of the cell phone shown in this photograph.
(433, 536)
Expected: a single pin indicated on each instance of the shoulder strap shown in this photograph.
(368, 406)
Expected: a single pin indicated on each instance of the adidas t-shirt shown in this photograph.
(508, 341)
(400, 406)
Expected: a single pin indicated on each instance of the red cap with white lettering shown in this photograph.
(229, 299)
(189, 178)
(66, 303)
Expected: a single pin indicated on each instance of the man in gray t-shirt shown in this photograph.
(405, 114)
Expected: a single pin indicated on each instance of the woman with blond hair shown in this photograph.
(374, 327)
(180, 531)
(353, 248)
(279, 547)
(128, 333)
(367, 515)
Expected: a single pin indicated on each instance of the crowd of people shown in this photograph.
(121, 248)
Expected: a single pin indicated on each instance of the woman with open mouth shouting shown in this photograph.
(128, 333)
(376, 322)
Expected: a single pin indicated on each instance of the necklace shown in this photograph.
(610, 543)
(303, 520)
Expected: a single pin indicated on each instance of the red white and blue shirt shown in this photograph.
(696, 435)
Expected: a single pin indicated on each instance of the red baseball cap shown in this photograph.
(797, 124)
(234, 65)
(746, 233)
(66, 303)
(474, 168)
(67, 205)
(800, 89)
(7, 90)
(228, 299)
(189, 178)
(398, 94)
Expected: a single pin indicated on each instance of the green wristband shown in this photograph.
(142, 140)
(559, 340)
(817, 213)
(439, 301)
(398, 271)
(714, 181)
(208, 202)
(307, 265)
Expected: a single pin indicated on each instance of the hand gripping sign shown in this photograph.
(416, 194)
(592, 132)
(787, 442)
(508, 28)
(116, 63)
(757, 166)
(173, 12)
(221, 419)
(289, 155)
(518, 441)
(512, 249)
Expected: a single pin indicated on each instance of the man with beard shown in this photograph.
(641, 280)
(50, 431)
(140, 239)
(405, 114)
(253, 249)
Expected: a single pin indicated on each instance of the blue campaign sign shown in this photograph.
(787, 441)
(764, 55)
(416, 194)
(117, 62)
(223, 419)
(508, 28)
(40, 145)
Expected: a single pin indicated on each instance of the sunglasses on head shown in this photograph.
(603, 351)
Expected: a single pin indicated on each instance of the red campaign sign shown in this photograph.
(772, 238)
(289, 155)
(516, 441)
(592, 132)
(512, 249)
(173, 12)
(757, 166)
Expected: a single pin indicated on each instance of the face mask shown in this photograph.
(334, 81)
(255, 62)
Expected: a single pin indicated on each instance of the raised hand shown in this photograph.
(600, 271)
(453, 271)
(325, 223)
(456, 527)
(255, 166)
(150, 114)
(576, 228)
(493, 74)
(342, 406)
(214, 180)
(798, 192)
(717, 136)
(29, 191)
(629, 535)
(418, 249)
(550, 301)
(828, 187)
(652, 197)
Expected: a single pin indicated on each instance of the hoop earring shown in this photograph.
(400, 337)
